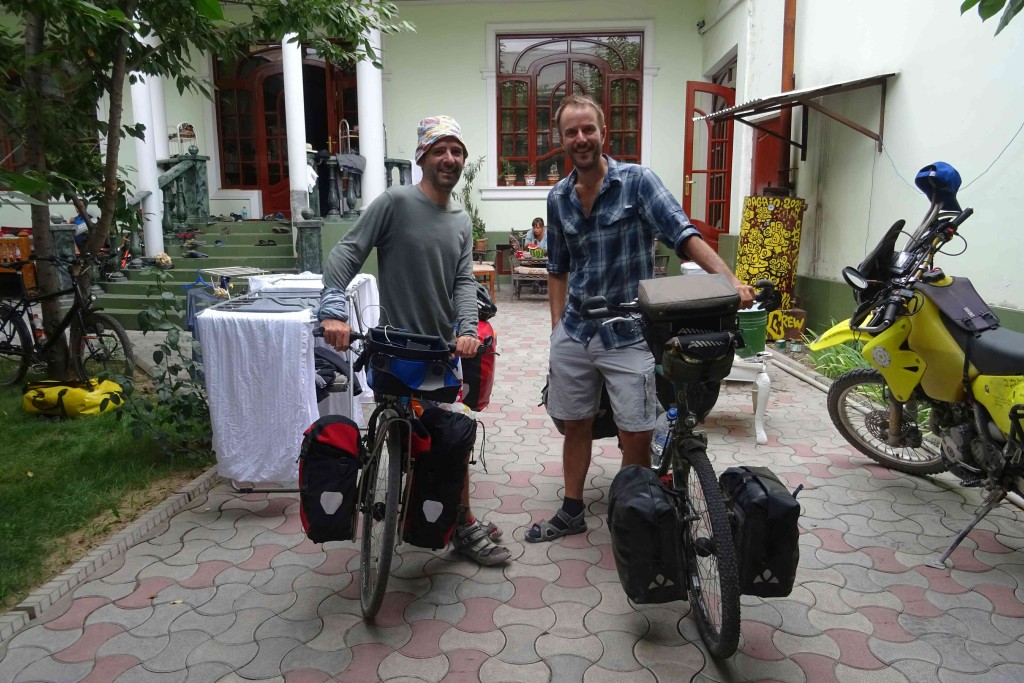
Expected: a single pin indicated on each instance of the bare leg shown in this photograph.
(636, 448)
(576, 456)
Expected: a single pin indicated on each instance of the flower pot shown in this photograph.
(510, 180)
(531, 179)
(480, 244)
(552, 179)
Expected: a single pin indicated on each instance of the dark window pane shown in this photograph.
(274, 174)
(249, 175)
(522, 94)
(615, 121)
(506, 120)
(548, 80)
(629, 146)
(232, 176)
(520, 119)
(633, 92)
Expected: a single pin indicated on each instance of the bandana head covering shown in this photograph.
(432, 129)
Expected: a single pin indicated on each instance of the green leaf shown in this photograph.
(1009, 13)
(158, 357)
(968, 4)
(209, 9)
(988, 8)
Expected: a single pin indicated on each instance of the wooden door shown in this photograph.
(707, 160)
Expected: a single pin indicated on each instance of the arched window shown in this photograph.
(536, 71)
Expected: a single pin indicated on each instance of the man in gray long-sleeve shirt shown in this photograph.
(425, 255)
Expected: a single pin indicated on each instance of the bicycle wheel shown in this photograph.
(101, 346)
(383, 475)
(858, 403)
(712, 573)
(15, 347)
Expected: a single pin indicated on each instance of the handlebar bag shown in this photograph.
(71, 399)
(683, 297)
(693, 358)
(406, 364)
(439, 474)
(646, 537)
(329, 460)
(766, 530)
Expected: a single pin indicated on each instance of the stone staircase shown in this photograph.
(124, 300)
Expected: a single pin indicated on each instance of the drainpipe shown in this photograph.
(788, 83)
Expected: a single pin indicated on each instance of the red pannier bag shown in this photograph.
(328, 471)
(478, 372)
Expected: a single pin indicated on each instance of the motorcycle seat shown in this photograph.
(998, 351)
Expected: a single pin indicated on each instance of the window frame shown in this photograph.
(490, 189)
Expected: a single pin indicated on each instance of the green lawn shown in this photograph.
(64, 485)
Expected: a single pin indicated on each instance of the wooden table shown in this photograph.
(484, 272)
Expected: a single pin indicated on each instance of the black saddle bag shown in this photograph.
(439, 476)
(646, 538)
(766, 530)
(328, 471)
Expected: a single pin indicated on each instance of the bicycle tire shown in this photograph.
(380, 512)
(712, 572)
(100, 345)
(15, 347)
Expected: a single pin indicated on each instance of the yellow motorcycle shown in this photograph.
(945, 386)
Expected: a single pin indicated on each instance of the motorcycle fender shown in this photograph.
(840, 333)
(901, 367)
(998, 394)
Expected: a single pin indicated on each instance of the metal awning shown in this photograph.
(807, 98)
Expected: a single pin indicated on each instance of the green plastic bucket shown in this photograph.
(754, 329)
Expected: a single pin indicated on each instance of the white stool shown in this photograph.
(755, 370)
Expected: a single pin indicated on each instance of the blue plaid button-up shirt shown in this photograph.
(608, 252)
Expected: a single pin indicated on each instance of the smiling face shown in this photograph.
(582, 135)
(442, 164)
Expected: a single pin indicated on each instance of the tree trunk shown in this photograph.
(42, 238)
(98, 237)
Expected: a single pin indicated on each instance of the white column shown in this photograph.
(145, 152)
(295, 123)
(371, 122)
(159, 107)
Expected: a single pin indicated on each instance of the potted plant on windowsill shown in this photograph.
(509, 172)
(530, 177)
(469, 174)
(553, 176)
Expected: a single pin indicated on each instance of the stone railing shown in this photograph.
(186, 192)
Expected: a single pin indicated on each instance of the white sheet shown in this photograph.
(259, 380)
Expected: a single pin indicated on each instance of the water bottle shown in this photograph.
(245, 213)
(661, 429)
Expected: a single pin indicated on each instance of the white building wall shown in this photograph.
(438, 70)
(957, 98)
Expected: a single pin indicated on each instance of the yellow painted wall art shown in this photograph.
(768, 248)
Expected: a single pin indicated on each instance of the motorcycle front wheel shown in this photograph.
(858, 403)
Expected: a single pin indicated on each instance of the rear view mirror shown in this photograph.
(855, 279)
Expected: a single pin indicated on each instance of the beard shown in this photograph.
(444, 178)
(585, 158)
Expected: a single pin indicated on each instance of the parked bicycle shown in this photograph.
(401, 367)
(693, 338)
(98, 343)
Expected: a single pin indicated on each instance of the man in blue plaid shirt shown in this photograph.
(602, 222)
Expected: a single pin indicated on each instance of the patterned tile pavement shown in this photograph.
(229, 589)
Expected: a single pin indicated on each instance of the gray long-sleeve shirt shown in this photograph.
(425, 257)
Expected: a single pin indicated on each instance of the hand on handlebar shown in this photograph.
(746, 293)
(337, 333)
(466, 346)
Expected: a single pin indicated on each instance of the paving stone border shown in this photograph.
(40, 599)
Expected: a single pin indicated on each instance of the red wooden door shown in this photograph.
(707, 160)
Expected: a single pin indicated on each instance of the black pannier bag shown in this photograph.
(439, 475)
(765, 529)
(328, 471)
(646, 537)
